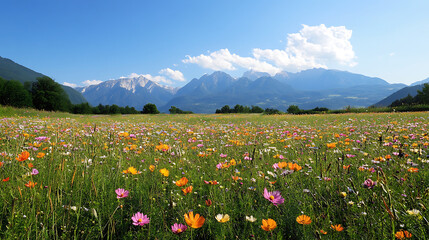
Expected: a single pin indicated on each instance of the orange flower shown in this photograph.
(40, 155)
(30, 184)
(1, 164)
(268, 224)
(30, 165)
(209, 203)
(131, 170)
(196, 221)
(151, 168)
(337, 227)
(403, 234)
(331, 145)
(6, 179)
(182, 182)
(412, 169)
(187, 190)
(323, 232)
(235, 178)
(23, 156)
(303, 219)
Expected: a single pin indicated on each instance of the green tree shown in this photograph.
(12, 93)
(150, 108)
(256, 109)
(423, 95)
(49, 95)
(293, 109)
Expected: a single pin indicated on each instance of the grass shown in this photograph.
(85, 158)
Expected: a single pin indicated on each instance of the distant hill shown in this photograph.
(420, 82)
(133, 92)
(412, 90)
(10, 70)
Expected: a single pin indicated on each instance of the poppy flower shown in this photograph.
(303, 219)
(23, 156)
(209, 203)
(139, 219)
(337, 227)
(268, 224)
(273, 197)
(178, 228)
(182, 182)
(121, 193)
(196, 221)
(6, 179)
(151, 168)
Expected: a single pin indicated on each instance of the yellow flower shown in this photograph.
(151, 168)
(343, 194)
(164, 172)
(268, 224)
(222, 218)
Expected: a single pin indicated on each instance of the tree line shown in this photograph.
(422, 98)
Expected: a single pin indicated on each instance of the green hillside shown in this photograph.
(10, 70)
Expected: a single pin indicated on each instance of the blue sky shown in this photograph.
(174, 41)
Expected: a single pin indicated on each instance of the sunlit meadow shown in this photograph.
(350, 176)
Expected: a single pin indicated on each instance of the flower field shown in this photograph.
(351, 176)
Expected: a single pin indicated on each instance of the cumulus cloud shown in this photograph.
(173, 74)
(69, 84)
(311, 47)
(224, 60)
(91, 82)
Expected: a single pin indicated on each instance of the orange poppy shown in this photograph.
(403, 234)
(30, 184)
(196, 221)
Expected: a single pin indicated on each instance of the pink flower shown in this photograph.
(139, 219)
(34, 172)
(178, 228)
(369, 183)
(273, 197)
(121, 193)
(276, 166)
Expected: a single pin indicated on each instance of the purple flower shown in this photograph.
(121, 193)
(369, 183)
(274, 197)
(178, 228)
(139, 219)
(34, 172)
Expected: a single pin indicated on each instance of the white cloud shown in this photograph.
(173, 74)
(224, 60)
(69, 84)
(392, 54)
(311, 47)
(91, 82)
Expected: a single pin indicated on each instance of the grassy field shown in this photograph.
(347, 176)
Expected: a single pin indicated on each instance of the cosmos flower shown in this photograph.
(182, 182)
(369, 183)
(303, 219)
(268, 224)
(34, 172)
(337, 227)
(121, 193)
(222, 218)
(139, 219)
(273, 197)
(164, 172)
(250, 219)
(196, 221)
(178, 228)
(23, 156)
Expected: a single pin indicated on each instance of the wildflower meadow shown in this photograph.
(243, 176)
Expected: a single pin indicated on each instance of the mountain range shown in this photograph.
(10, 70)
(308, 89)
